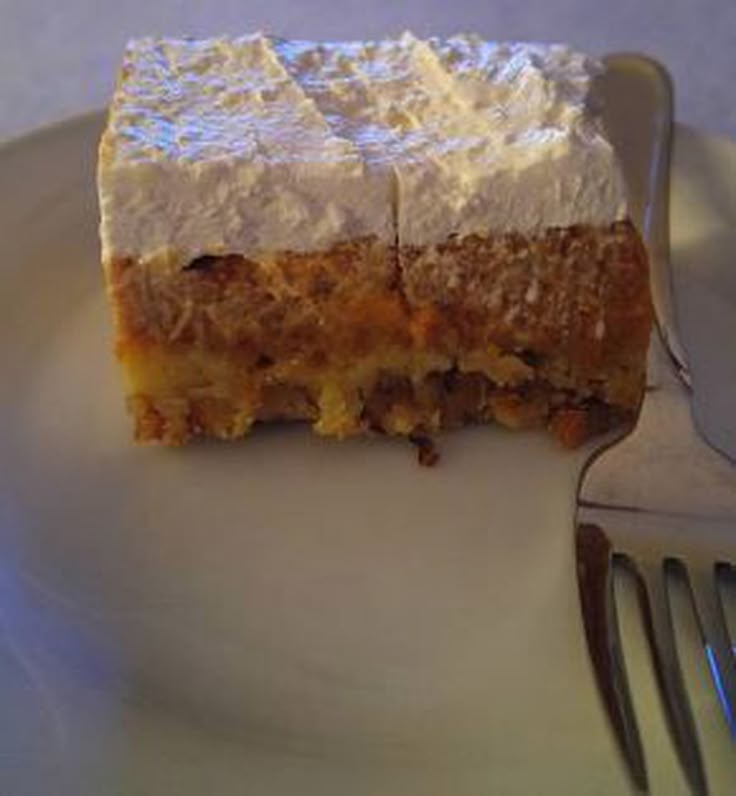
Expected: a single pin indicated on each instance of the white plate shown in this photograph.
(284, 615)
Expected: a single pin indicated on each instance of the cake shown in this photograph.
(399, 236)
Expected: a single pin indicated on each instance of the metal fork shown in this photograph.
(660, 494)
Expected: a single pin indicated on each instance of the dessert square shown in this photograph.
(399, 236)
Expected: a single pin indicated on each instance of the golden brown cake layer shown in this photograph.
(524, 331)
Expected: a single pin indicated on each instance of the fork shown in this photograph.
(659, 496)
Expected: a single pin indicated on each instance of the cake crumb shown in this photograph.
(427, 453)
(570, 427)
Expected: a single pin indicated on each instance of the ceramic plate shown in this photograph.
(290, 615)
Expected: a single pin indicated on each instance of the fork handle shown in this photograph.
(639, 124)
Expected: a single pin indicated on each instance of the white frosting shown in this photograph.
(211, 148)
(518, 145)
(252, 144)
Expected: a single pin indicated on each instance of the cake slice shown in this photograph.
(400, 236)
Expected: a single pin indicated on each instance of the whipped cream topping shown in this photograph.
(212, 148)
(259, 144)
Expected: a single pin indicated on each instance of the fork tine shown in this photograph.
(718, 649)
(659, 629)
(594, 559)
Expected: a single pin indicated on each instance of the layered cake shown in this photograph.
(400, 236)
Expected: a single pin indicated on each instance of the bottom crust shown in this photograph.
(222, 404)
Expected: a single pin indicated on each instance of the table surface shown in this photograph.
(59, 58)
